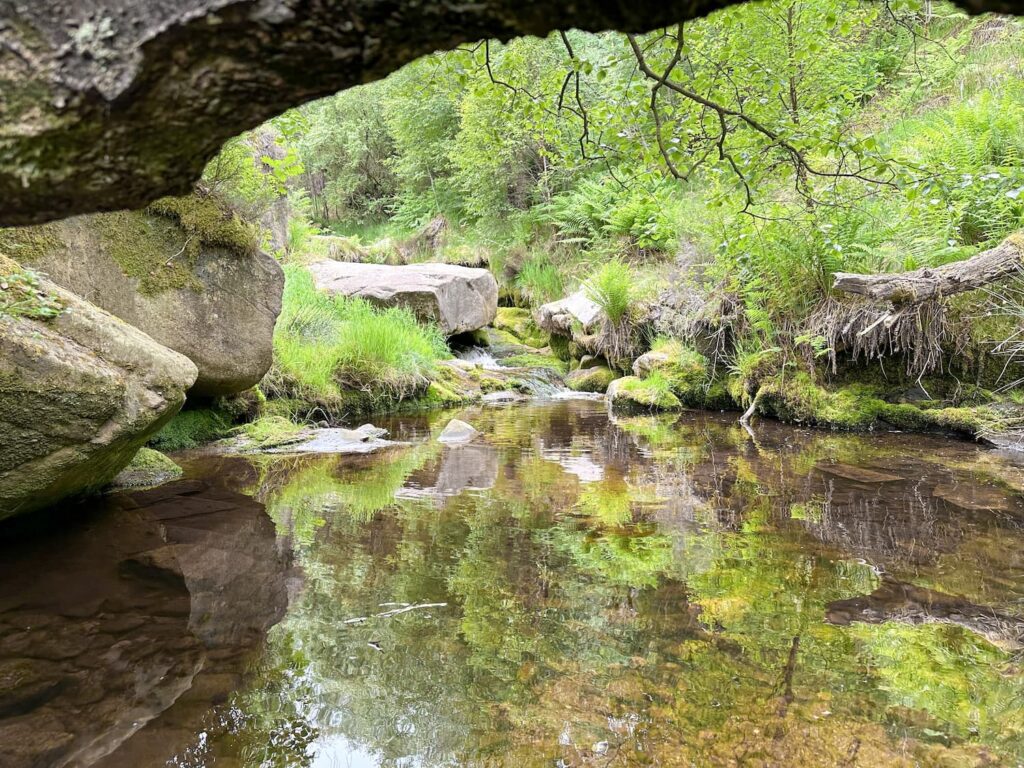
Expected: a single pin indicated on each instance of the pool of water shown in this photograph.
(569, 590)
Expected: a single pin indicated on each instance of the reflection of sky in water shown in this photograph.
(339, 752)
(583, 467)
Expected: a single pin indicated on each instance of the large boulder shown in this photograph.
(212, 300)
(79, 395)
(458, 299)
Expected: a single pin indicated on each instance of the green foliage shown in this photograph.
(21, 294)
(326, 345)
(613, 288)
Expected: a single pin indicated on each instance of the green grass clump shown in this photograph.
(611, 287)
(326, 346)
(685, 368)
(539, 280)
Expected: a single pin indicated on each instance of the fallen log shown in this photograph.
(903, 288)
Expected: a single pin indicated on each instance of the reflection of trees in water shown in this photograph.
(670, 609)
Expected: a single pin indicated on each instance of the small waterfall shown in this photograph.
(538, 382)
(480, 357)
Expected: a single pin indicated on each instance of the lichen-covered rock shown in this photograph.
(634, 394)
(595, 379)
(79, 395)
(190, 277)
(458, 299)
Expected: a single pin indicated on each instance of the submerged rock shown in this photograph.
(457, 432)
(214, 303)
(458, 299)
(503, 397)
(79, 395)
(858, 474)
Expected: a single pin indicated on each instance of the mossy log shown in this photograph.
(903, 288)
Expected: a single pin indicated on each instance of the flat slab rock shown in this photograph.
(973, 498)
(366, 439)
(458, 299)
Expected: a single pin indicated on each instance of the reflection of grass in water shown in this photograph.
(325, 487)
(950, 673)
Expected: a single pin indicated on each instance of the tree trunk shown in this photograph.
(927, 283)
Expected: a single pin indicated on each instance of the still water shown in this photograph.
(569, 590)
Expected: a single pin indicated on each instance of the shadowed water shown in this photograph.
(569, 590)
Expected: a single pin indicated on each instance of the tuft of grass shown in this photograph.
(22, 295)
(328, 346)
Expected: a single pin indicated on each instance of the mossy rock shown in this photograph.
(518, 323)
(685, 369)
(148, 469)
(631, 393)
(595, 379)
(537, 360)
(797, 398)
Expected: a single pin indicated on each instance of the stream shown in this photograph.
(571, 589)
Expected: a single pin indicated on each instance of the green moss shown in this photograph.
(518, 324)
(594, 379)
(190, 429)
(144, 247)
(27, 245)
(536, 360)
(206, 222)
(271, 431)
(561, 347)
(685, 368)
(652, 393)
(797, 398)
(146, 469)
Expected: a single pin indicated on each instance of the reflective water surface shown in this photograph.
(571, 590)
